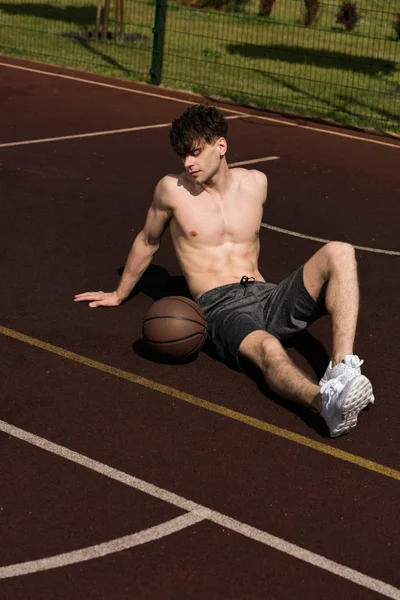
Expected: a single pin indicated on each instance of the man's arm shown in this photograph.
(144, 247)
(262, 182)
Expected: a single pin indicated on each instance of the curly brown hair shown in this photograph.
(198, 123)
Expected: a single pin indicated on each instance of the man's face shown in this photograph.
(203, 162)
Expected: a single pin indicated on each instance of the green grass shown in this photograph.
(275, 63)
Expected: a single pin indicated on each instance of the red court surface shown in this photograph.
(125, 478)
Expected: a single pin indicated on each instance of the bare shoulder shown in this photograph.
(252, 179)
(165, 191)
(173, 189)
(258, 177)
(250, 176)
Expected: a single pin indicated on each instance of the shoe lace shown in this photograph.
(354, 362)
(331, 388)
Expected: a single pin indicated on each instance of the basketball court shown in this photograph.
(126, 478)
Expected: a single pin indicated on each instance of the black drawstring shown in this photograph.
(244, 281)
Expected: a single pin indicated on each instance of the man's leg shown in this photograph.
(279, 371)
(334, 265)
(341, 399)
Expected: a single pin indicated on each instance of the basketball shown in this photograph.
(175, 328)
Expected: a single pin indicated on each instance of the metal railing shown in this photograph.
(278, 62)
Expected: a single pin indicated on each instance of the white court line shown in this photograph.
(206, 513)
(253, 161)
(324, 241)
(99, 83)
(82, 135)
(100, 550)
(91, 134)
(235, 164)
(236, 112)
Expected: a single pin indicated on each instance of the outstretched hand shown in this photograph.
(96, 299)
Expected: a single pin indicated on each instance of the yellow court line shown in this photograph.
(199, 402)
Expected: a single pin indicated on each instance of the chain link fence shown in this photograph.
(334, 60)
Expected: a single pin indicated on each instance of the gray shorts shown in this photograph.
(237, 309)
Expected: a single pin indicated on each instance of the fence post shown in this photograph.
(158, 42)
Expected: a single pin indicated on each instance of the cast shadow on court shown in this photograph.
(317, 357)
(157, 283)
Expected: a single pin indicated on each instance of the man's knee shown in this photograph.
(261, 347)
(339, 254)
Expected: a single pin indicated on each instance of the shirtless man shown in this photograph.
(214, 214)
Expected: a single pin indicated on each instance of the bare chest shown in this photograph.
(205, 220)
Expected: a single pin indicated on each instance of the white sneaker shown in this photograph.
(343, 400)
(349, 367)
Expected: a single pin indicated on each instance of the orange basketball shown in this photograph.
(175, 328)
